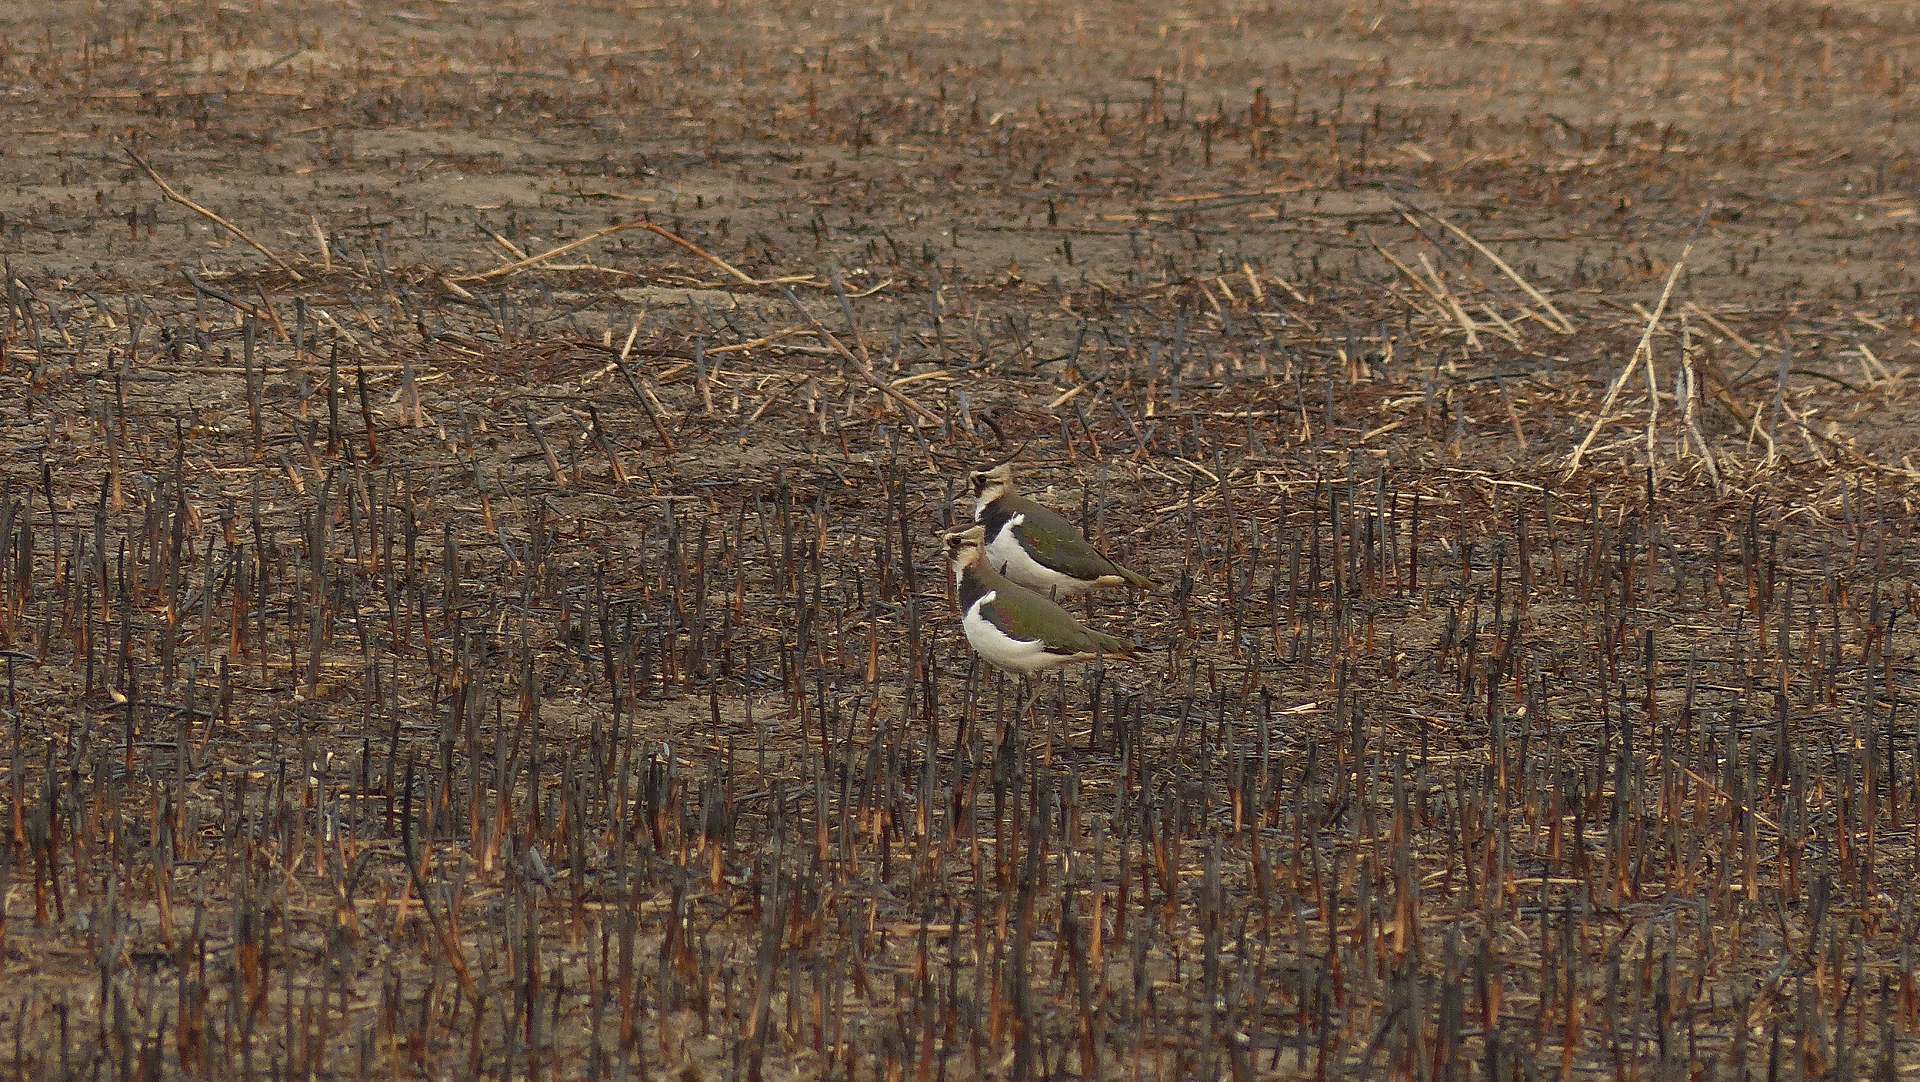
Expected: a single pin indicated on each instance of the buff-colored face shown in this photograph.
(991, 484)
(964, 547)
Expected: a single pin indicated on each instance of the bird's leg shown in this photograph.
(1059, 727)
(1094, 687)
(1045, 729)
(999, 703)
(968, 702)
(1029, 699)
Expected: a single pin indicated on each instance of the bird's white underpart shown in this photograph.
(1015, 562)
(1022, 656)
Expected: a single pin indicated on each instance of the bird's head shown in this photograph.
(964, 547)
(991, 483)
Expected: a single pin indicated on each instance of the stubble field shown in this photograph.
(471, 477)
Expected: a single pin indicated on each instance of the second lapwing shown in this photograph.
(1037, 547)
(1014, 628)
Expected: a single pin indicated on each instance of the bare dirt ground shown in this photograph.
(437, 648)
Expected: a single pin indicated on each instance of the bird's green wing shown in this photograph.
(1055, 543)
(1029, 617)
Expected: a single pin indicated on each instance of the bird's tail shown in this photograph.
(1135, 578)
(1110, 644)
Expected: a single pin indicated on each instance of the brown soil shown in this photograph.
(596, 595)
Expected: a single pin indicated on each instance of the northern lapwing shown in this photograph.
(1036, 547)
(1012, 627)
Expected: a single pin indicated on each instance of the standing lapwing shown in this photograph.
(1036, 547)
(1012, 627)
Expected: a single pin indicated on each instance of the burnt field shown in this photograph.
(471, 592)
